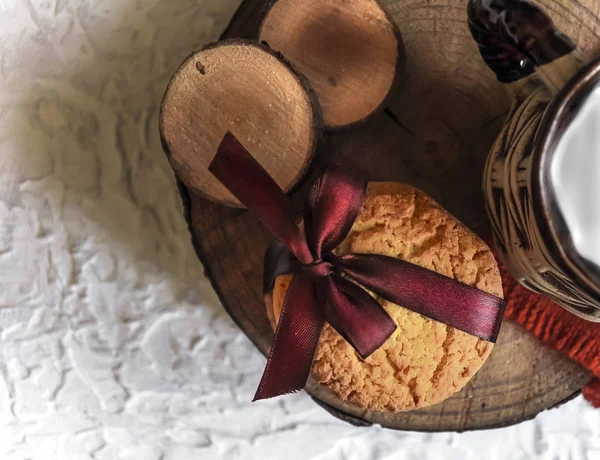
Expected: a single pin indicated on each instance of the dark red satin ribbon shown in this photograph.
(318, 291)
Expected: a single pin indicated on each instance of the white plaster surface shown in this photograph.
(113, 346)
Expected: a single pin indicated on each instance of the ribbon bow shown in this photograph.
(321, 288)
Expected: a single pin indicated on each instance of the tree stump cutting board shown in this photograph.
(435, 134)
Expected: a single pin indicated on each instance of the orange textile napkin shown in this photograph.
(575, 337)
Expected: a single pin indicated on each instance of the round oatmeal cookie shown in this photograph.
(424, 361)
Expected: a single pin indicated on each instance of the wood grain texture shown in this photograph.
(245, 88)
(435, 135)
(350, 52)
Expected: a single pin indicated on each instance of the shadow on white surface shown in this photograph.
(87, 81)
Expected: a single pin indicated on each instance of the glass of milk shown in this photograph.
(542, 177)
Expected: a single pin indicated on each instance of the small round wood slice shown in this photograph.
(351, 52)
(245, 88)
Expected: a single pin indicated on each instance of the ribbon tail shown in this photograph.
(427, 292)
(246, 179)
(295, 341)
(355, 315)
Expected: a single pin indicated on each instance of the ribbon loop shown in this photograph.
(355, 315)
(333, 204)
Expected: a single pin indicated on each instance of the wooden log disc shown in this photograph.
(350, 51)
(246, 88)
(442, 122)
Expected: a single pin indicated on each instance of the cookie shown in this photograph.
(424, 361)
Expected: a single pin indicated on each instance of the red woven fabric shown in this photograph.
(575, 337)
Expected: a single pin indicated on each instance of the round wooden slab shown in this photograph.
(246, 88)
(349, 51)
(435, 136)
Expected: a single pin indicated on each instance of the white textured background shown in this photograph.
(113, 346)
